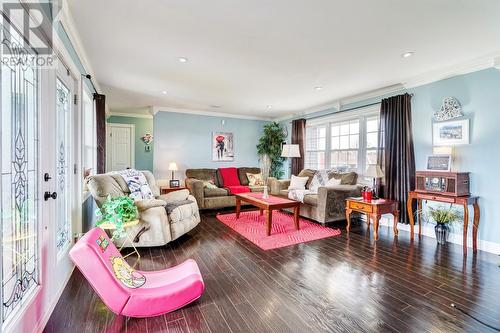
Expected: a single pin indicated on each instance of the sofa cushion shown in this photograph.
(309, 173)
(256, 188)
(215, 192)
(229, 177)
(311, 199)
(284, 193)
(347, 178)
(242, 174)
(203, 174)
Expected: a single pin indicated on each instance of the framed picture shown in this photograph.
(175, 183)
(450, 133)
(222, 147)
(439, 163)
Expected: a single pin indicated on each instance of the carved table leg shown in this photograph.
(348, 218)
(368, 219)
(376, 219)
(477, 216)
(409, 207)
(419, 213)
(396, 220)
(466, 225)
(269, 220)
(238, 208)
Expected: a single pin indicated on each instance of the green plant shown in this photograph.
(270, 144)
(444, 215)
(117, 211)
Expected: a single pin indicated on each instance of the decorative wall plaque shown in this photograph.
(450, 108)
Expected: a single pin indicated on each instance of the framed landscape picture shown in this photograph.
(222, 146)
(450, 133)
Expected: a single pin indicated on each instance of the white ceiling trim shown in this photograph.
(156, 109)
(132, 115)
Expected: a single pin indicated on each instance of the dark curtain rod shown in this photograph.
(89, 77)
(350, 109)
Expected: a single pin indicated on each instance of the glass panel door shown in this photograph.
(19, 182)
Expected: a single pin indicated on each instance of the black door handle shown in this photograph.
(49, 195)
(46, 177)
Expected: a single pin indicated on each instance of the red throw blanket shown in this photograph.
(231, 181)
(238, 189)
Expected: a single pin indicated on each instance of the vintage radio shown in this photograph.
(447, 183)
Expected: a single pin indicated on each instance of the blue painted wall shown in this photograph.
(143, 159)
(479, 94)
(186, 140)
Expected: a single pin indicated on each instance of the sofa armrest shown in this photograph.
(331, 199)
(277, 185)
(144, 204)
(196, 189)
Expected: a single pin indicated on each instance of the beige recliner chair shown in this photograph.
(163, 228)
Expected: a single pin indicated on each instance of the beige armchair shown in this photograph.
(161, 227)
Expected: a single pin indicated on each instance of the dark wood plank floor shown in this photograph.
(342, 284)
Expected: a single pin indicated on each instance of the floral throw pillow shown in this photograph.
(255, 179)
(320, 179)
(209, 184)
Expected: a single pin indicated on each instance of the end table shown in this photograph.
(167, 189)
(373, 210)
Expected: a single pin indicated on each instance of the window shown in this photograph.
(89, 135)
(315, 147)
(346, 142)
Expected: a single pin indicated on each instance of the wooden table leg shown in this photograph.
(238, 208)
(348, 218)
(477, 216)
(409, 207)
(466, 225)
(419, 213)
(269, 221)
(396, 220)
(261, 211)
(376, 219)
(368, 219)
(296, 213)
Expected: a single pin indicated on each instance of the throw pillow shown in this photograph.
(333, 182)
(209, 184)
(320, 178)
(255, 179)
(347, 178)
(298, 183)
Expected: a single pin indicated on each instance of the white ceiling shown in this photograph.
(245, 55)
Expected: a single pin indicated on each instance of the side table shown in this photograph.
(373, 210)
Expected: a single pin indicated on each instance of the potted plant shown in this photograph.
(443, 216)
(270, 144)
(115, 212)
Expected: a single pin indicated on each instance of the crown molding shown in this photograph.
(131, 115)
(156, 109)
(474, 65)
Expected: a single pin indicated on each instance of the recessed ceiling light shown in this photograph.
(182, 59)
(164, 92)
(407, 54)
(269, 106)
(215, 106)
(318, 88)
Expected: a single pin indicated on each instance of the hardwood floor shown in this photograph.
(341, 284)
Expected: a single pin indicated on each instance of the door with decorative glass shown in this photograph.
(37, 188)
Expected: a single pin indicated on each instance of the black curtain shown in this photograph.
(397, 159)
(100, 112)
(298, 137)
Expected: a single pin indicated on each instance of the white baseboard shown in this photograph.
(455, 238)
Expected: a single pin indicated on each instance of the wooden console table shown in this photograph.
(464, 201)
(373, 209)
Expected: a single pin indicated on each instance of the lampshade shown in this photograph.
(172, 166)
(374, 171)
(290, 151)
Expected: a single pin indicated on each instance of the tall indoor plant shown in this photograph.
(443, 217)
(270, 144)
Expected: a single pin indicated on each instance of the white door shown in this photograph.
(121, 146)
(37, 191)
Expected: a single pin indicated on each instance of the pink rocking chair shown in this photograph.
(129, 292)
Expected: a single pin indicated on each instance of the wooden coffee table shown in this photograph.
(268, 205)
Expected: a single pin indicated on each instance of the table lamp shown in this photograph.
(173, 167)
(374, 171)
(290, 151)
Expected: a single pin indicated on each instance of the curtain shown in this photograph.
(100, 111)
(397, 158)
(298, 137)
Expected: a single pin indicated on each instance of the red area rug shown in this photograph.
(252, 226)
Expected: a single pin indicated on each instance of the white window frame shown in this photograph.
(86, 116)
(362, 115)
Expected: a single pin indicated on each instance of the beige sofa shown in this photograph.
(163, 228)
(213, 198)
(328, 205)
